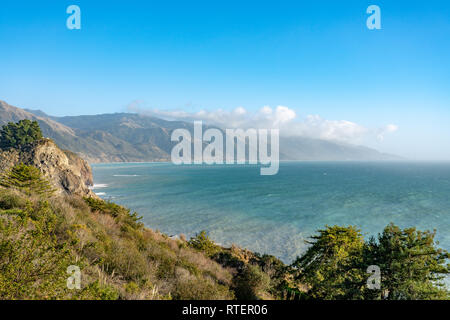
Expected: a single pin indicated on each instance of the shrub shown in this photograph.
(122, 214)
(125, 259)
(276, 270)
(251, 282)
(201, 289)
(10, 200)
(203, 243)
(97, 291)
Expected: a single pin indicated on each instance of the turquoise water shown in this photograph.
(276, 214)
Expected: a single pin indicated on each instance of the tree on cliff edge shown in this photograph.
(16, 135)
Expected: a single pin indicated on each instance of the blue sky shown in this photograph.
(315, 57)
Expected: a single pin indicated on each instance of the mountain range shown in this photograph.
(132, 137)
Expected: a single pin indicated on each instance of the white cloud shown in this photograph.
(390, 128)
(342, 130)
(282, 118)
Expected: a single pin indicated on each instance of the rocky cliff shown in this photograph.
(64, 169)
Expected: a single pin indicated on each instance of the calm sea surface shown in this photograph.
(276, 214)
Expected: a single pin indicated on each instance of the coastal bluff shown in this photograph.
(66, 171)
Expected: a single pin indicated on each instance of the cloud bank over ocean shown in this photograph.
(280, 117)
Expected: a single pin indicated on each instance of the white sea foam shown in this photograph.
(99, 186)
(100, 193)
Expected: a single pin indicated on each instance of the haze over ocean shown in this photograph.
(275, 214)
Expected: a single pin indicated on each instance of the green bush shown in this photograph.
(251, 282)
(124, 258)
(96, 291)
(276, 270)
(203, 243)
(122, 214)
(201, 289)
(10, 200)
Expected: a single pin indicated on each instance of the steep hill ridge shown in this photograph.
(130, 137)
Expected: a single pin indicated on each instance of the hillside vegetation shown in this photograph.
(41, 235)
(45, 235)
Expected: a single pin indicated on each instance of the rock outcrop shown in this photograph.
(64, 169)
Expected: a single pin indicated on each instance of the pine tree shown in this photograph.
(28, 179)
(16, 135)
(411, 265)
(330, 267)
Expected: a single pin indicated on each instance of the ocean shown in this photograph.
(276, 214)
